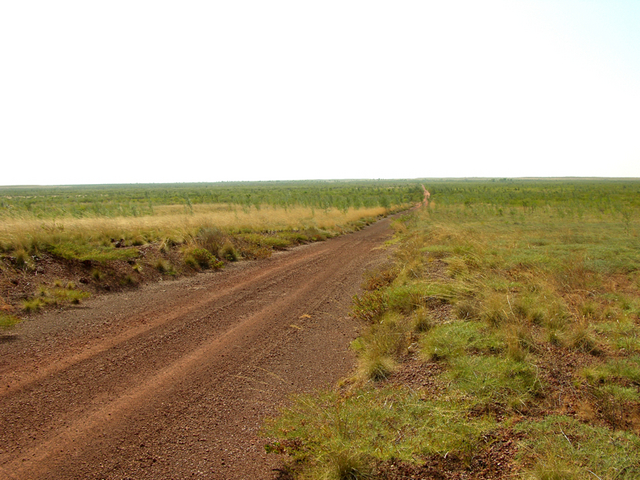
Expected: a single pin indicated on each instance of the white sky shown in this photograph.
(156, 91)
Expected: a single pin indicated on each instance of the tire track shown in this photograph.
(145, 326)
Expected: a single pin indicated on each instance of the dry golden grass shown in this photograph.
(175, 221)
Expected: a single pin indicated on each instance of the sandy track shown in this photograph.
(174, 380)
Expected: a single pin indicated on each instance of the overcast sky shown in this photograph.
(156, 91)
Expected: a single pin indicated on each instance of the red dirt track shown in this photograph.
(174, 380)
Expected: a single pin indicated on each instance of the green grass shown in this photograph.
(55, 295)
(560, 447)
(8, 321)
(377, 424)
(201, 258)
(98, 253)
(453, 340)
(516, 306)
(108, 201)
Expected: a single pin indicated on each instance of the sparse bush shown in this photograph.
(495, 309)
(166, 245)
(622, 334)
(495, 379)
(377, 424)
(345, 465)
(445, 342)
(580, 337)
(317, 235)
(520, 341)
(406, 298)
(560, 447)
(72, 296)
(55, 296)
(456, 267)
(467, 309)
(85, 252)
(275, 242)
(138, 241)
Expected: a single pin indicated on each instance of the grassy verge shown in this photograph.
(502, 342)
(94, 237)
(97, 254)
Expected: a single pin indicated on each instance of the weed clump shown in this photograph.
(211, 239)
(228, 252)
(32, 305)
(377, 367)
(201, 258)
(379, 278)
(164, 266)
(58, 295)
(8, 321)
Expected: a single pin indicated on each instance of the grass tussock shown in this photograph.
(58, 294)
(8, 321)
(519, 313)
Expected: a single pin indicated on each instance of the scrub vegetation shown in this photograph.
(502, 341)
(110, 237)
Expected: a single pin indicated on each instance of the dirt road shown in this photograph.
(173, 381)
